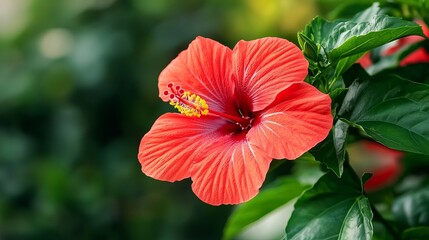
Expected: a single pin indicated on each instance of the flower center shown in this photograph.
(193, 105)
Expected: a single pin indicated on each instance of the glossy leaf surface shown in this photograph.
(335, 208)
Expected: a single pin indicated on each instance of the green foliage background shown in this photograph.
(78, 89)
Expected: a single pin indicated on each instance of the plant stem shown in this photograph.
(387, 225)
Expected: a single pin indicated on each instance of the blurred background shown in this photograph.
(78, 90)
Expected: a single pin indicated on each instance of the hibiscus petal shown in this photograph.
(418, 56)
(300, 118)
(204, 69)
(265, 67)
(231, 171)
(167, 150)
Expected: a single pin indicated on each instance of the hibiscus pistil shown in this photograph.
(192, 105)
(185, 102)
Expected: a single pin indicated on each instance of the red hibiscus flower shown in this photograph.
(240, 109)
(383, 162)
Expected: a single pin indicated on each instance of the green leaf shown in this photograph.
(343, 38)
(412, 208)
(414, 72)
(331, 151)
(268, 200)
(392, 110)
(334, 208)
(417, 233)
(336, 93)
(306, 169)
(368, 30)
(346, 63)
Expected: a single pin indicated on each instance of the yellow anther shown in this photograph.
(190, 105)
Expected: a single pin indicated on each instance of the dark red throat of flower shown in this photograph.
(192, 105)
